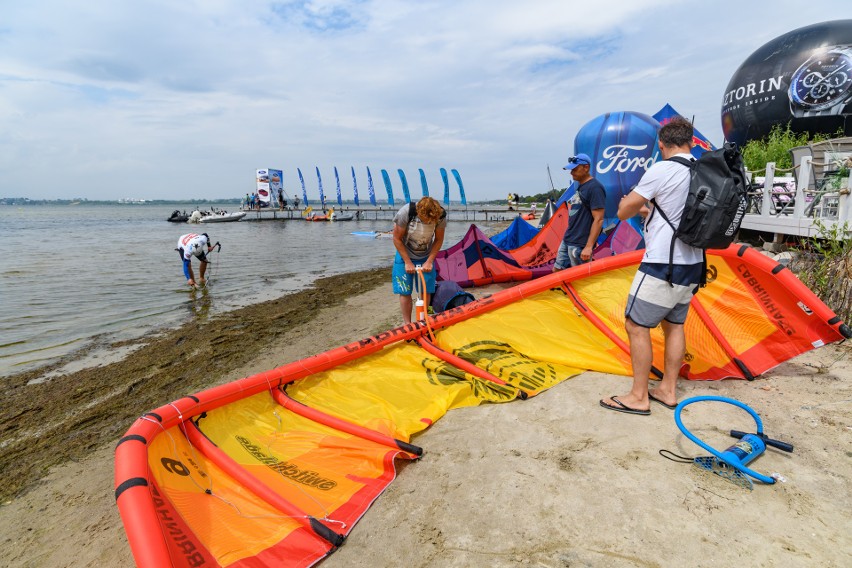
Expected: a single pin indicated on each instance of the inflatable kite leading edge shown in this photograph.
(276, 468)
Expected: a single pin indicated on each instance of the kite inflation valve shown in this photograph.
(731, 464)
(420, 311)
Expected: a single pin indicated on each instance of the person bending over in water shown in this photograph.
(194, 245)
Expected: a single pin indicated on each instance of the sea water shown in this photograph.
(77, 276)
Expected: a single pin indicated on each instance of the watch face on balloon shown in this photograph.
(822, 80)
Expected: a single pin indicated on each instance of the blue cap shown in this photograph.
(578, 160)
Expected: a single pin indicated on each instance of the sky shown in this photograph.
(110, 99)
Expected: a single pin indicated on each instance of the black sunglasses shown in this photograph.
(576, 160)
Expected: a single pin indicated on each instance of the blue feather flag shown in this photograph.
(354, 185)
(405, 194)
(319, 182)
(388, 187)
(370, 189)
(461, 187)
(446, 187)
(423, 184)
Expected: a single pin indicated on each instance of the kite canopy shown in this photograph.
(276, 468)
(520, 232)
(622, 238)
(477, 260)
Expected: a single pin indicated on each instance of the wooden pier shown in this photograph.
(469, 214)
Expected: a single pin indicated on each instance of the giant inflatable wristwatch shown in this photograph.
(822, 85)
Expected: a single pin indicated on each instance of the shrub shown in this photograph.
(776, 146)
(824, 264)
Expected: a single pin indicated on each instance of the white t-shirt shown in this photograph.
(668, 184)
(192, 244)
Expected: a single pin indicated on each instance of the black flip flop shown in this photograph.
(657, 400)
(624, 407)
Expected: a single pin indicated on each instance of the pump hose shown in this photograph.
(738, 466)
(425, 293)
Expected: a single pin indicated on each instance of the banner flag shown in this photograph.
(423, 184)
(446, 187)
(276, 183)
(319, 183)
(461, 187)
(405, 194)
(388, 187)
(370, 189)
(304, 192)
(337, 179)
(263, 188)
(354, 186)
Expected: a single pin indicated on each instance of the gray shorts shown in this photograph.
(568, 256)
(652, 299)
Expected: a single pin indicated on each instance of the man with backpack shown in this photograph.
(668, 276)
(418, 234)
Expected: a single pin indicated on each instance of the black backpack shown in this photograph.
(716, 204)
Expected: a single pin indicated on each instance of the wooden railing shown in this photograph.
(792, 208)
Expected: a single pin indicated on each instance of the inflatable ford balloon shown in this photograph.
(622, 145)
(803, 77)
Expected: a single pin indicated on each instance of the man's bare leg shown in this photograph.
(666, 391)
(641, 357)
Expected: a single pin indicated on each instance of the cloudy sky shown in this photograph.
(178, 100)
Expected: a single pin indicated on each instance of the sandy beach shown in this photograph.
(554, 481)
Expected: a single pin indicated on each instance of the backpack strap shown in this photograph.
(674, 237)
(684, 162)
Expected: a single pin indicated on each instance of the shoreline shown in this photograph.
(44, 424)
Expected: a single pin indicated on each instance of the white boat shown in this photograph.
(222, 217)
(215, 216)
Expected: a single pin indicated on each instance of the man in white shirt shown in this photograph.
(194, 245)
(653, 298)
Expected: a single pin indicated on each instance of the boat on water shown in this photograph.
(276, 468)
(215, 216)
(178, 217)
(223, 217)
(314, 217)
(332, 215)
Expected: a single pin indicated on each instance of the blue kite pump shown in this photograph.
(744, 451)
(740, 454)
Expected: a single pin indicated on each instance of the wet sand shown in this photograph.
(553, 481)
(48, 422)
